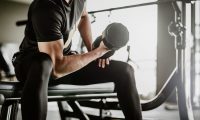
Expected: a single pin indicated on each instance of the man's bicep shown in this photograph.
(53, 49)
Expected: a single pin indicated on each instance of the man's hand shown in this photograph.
(103, 62)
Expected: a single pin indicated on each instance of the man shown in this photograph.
(50, 26)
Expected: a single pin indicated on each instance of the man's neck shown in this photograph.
(68, 1)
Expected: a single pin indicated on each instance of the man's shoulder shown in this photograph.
(41, 5)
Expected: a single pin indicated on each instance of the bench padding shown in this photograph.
(14, 89)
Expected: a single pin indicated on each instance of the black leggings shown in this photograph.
(34, 69)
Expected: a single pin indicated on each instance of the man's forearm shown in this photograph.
(85, 31)
(73, 63)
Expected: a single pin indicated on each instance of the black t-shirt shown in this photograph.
(50, 20)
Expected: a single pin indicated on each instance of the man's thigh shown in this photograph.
(26, 61)
(92, 74)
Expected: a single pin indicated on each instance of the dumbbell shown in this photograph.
(115, 36)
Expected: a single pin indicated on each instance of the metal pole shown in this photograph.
(180, 72)
(184, 104)
(193, 50)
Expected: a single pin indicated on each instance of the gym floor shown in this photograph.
(159, 113)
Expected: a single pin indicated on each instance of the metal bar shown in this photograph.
(4, 111)
(61, 110)
(74, 97)
(193, 55)
(77, 110)
(184, 104)
(83, 97)
(163, 94)
(14, 110)
(23, 22)
(133, 6)
(179, 63)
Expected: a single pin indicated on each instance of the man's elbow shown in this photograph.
(57, 69)
(56, 74)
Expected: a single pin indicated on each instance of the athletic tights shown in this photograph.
(34, 69)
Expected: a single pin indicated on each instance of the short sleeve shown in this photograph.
(47, 24)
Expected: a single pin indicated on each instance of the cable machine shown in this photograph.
(177, 78)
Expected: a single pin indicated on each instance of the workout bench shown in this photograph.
(10, 93)
(74, 95)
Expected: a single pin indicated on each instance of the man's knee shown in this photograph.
(129, 69)
(42, 64)
(127, 73)
(122, 70)
(43, 60)
(125, 69)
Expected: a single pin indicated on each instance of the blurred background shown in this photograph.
(151, 50)
(141, 23)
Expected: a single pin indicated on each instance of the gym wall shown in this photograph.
(10, 12)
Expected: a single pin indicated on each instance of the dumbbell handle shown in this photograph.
(97, 43)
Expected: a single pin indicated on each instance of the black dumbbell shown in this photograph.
(115, 36)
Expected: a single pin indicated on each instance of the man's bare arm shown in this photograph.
(85, 30)
(64, 65)
(86, 34)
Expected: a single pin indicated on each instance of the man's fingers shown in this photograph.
(107, 61)
(103, 63)
(99, 62)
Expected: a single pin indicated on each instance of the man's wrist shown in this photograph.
(89, 48)
(101, 51)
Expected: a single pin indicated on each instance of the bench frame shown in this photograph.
(10, 106)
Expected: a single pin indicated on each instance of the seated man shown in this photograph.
(50, 26)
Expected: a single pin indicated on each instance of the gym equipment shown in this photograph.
(115, 36)
(177, 78)
(2, 99)
(175, 81)
(194, 71)
(23, 22)
(10, 96)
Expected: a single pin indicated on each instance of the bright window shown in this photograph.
(142, 25)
